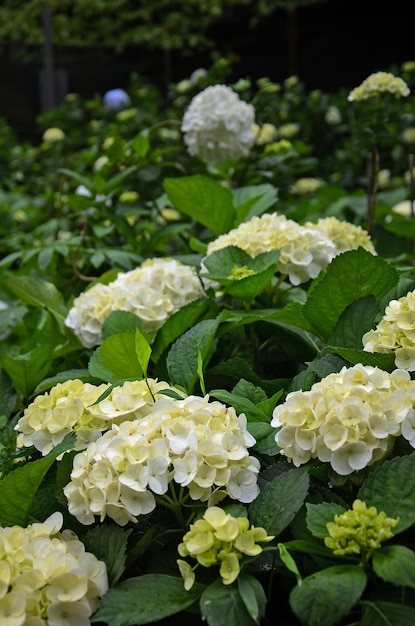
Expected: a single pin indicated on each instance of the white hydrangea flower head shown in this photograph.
(377, 84)
(153, 292)
(194, 442)
(395, 332)
(345, 236)
(218, 126)
(347, 419)
(304, 251)
(48, 573)
(72, 407)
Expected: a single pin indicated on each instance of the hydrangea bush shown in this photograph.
(206, 369)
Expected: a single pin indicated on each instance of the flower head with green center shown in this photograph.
(220, 539)
(359, 530)
(378, 84)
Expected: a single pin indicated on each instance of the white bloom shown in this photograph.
(377, 84)
(153, 292)
(217, 125)
(347, 418)
(197, 443)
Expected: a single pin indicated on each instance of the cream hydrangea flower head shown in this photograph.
(218, 538)
(395, 332)
(306, 186)
(377, 84)
(196, 443)
(72, 407)
(47, 577)
(347, 419)
(345, 236)
(153, 292)
(53, 135)
(217, 125)
(304, 251)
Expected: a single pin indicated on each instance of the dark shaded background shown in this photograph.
(336, 43)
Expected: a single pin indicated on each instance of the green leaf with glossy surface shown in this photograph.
(395, 564)
(326, 597)
(222, 605)
(387, 614)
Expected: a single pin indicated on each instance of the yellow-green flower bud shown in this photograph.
(359, 530)
(238, 272)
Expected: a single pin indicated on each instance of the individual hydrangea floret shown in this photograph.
(194, 443)
(218, 126)
(395, 332)
(153, 292)
(345, 236)
(304, 251)
(72, 407)
(220, 539)
(378, 84)
(347, 419)
(47, 577)
(359, 530)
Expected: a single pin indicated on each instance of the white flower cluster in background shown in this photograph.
(379, 83)
(47, 577)
(153, 292)
(196, 443)
(347, 419)
(218, 126)
(395, 332)
(305, 249)
(72, 407)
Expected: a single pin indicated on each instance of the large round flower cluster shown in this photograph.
(153, 292)
(395, 332)
(347, 419)
(379, 83)
(72, 407)
(220, 539)
(344, 235)
(47, 577)
(196, 443)
(218, 126)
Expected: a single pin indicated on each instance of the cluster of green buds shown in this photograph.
(359, 530)
(219, 539)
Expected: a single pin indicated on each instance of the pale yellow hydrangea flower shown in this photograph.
(220, 539)
(47, 577)
(359, 530)
(395, 332)
(345, 236)
(378, 84)
(405, 208)
(306, 186)
(304, 251)
(72, 407)
(197, 443)
(153, 292)
(264, 133)
(347, 419)
(53, 135)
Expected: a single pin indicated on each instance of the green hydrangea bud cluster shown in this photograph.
(219, 539)
(359, 530)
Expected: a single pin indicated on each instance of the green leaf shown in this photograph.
(27, 370)
(118, 321)
(18, 489)
(38, 293)
(253, 200)
(319, 515)
(253, 596)
(182, 359)
(125, 355)
(204, 199)
(326, 597)
(7, 395)
(264, 435)
(280, 500)
(390, 488)
(222, 605)
(350, 276)
(387, 614)
(384, 361)
(144, 599)
(356, 319)
(395, 564)
(289, 562)
(241, 405)
(141, 143)
(109, 544)
(177, 324)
